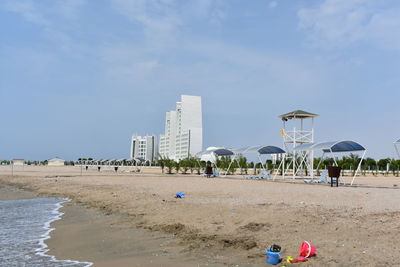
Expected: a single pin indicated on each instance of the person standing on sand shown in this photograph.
(209, 169)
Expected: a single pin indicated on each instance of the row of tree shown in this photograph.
(34, 162)
(371, 165)
(242, 166)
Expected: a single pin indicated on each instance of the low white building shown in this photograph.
(18, 162)
(144, 147)
(55, 162)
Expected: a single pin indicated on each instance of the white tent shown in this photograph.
(260, 150)
(333, 147)
(213, 153)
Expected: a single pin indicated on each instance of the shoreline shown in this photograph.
(176, 251)
(87, 235)
(12, 193)
(106, 240)
(45, 250)
(232, 221)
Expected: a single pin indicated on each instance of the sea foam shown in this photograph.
(24, 227)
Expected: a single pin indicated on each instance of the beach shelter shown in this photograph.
(213, 153)
(333, 147)
(396, 144)
(120, 162)
(260, 151)
(139, 161)
(111, 162)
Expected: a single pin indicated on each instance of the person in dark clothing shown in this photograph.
(209, 169)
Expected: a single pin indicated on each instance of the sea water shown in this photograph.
(24, 226)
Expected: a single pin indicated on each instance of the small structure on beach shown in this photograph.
(261, 150)
(332, 148)
(295, 137)
(56, 162)
(18, 162)
(213, 153)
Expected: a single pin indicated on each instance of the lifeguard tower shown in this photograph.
(298, 164)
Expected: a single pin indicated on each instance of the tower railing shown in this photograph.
(298, 137)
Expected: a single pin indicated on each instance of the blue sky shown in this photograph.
(78, 77)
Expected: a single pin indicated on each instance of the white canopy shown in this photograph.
(260, 150)
(334, 146)
(219, 151)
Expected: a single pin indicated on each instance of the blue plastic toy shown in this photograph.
(273, 257)
(180, 195)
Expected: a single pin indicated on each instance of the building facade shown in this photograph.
(183, 135)
(56, 162)
(18, 162)
(144, 147)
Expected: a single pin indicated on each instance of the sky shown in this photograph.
(79, 77)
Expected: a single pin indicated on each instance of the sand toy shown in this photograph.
(180, 195)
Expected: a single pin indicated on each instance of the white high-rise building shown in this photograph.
(144, 147)
(183, 135)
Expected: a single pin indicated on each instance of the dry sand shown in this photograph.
(232, 221)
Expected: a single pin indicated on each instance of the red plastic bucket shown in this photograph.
(307, 250)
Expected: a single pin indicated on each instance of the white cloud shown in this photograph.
(27, 9)
(44, 13)
(273, 4)
(158, 17)
(57, 19)
(384, 29)
(69, 9)
(339, 23)
(163, 20)
(218, 68)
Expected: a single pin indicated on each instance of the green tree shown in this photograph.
(243, 165)
(200, 165)
(167, 162)
(177, 166)
(192, 164)
(161, 163)
(184, 165)
(370, 164)
(232, 167)
(170, 164)
(223, 162)
(382, 164)
(394, 166)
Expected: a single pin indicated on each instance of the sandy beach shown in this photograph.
(222, 221)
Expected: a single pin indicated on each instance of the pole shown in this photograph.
(358, 168)
(12, 168)
(397, 150)
(294, 152)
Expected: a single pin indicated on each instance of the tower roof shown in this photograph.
(298, 114)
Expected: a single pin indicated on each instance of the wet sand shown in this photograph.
(232, 221)
(14, 193)
(86, 234)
